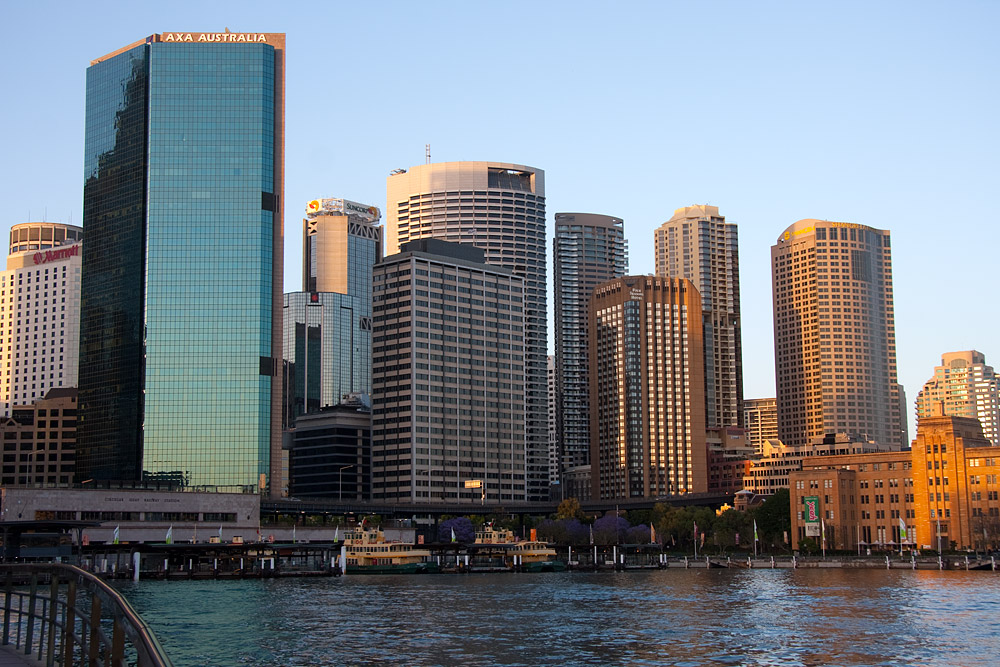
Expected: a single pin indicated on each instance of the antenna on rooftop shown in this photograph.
(427, 153)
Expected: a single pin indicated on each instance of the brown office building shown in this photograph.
(834, 333)
(943, 493)
(448, 377)
(647, 381)
(39, 441)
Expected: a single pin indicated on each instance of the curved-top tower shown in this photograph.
(500, 208)
(43, 269)
(834, 333)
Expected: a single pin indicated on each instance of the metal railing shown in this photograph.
(62, 615)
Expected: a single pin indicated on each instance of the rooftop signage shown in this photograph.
(57, 254)
(214, 37)
(344, 206)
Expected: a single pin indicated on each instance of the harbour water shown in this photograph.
(690, 618)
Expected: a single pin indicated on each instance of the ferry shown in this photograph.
(368, 552)
(527, 556)
(534, 556)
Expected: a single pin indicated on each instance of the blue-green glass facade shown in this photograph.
(202, 252)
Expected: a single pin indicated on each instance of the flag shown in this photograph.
(755, 538)
(115, 541)
(737, 539)
(170, 535)
(336, 534)
(822, 525)
(591, 533)
(220, 533)
(695, 530)
(293, 533)
(902, 530)
(652, 534)
(452, 534)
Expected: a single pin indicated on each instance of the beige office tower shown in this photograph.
(500, 208)
(963, 386)
(647, 380)
(447, 377)
(760, 417)
(834, 333)
(336, 256)
(40, 314)
(698, 244)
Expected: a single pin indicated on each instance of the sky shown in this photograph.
(883, 114)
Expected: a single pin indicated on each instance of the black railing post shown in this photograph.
(8, 590)
(69, 623)
(117, 643)
(53, 617)
(94, 642)
(29, 634)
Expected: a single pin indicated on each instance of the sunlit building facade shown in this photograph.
(647, 380)
(500, 208)
(834, 333)
(760, 418)
(966, 387)
(181, 309)
(698, 244)
(942, 494)
(39, 312)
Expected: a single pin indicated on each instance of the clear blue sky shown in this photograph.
(884, 114)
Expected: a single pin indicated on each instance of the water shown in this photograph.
(689, 618)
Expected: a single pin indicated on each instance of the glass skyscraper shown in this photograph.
(181, 310)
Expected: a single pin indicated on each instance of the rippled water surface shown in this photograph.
(669, 617)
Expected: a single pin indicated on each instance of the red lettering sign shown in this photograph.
(59, 253)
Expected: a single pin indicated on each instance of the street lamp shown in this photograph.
(340, 484)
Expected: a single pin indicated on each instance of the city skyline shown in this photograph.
(854, 133)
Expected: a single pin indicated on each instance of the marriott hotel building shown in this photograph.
(180, 349)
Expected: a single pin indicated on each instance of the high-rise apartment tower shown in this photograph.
(588, 250)
(760, 418)
(40, 314)
(834, 333)
(964, 386)
(698, 244)
(499, 208)
(180, 351)
(647, 381)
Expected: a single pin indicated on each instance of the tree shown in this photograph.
(774, 517)
(610, 529)
(464, 531)
(728, 525)
(569, 509)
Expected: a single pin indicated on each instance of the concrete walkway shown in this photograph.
(11, 657)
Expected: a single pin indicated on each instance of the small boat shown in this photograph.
(368, 552)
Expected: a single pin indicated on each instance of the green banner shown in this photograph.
(811, 513)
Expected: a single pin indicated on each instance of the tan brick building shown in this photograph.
(39, 441)
(944, 487)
